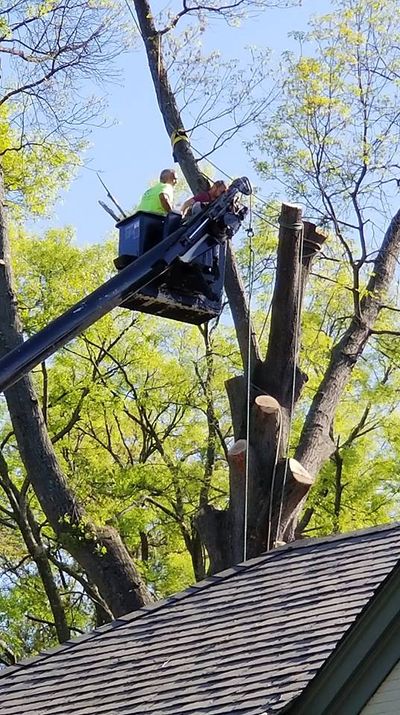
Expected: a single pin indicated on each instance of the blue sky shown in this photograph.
(130, 153)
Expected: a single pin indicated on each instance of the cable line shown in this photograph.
(132, 14)
(250, 234)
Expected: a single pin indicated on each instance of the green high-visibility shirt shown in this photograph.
(150, 200)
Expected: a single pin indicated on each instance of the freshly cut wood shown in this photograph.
(299, 473)
(237, 449)
(237, 456)
(267, 404)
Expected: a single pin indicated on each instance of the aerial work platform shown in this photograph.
(177, 273)
(189, 292)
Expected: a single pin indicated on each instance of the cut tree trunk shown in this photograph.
(264, 492)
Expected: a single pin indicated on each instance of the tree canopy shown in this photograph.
(121, 457)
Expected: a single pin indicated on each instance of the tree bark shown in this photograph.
(275, 387)
(100, 551)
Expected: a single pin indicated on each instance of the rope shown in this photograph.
(294, 226)
(296, 351)
(178, 135)
(250, 234)
(265, 320)
(271, 494)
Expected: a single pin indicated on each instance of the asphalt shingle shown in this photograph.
(246, 641)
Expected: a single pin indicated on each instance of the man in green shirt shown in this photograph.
(159, 199)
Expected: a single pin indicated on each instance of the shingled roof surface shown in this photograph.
(246, 641)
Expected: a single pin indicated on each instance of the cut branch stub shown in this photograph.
(298, 482)
(269, 426)
(237, 455)
(267, 404)
(299, 473)
(313, 241)
(238, 499)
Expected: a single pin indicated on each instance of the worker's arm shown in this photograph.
(186, 206)
(165, 202)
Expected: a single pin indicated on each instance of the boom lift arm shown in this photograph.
(214, 225)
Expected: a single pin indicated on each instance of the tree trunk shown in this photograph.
(99, 551)
(275, 388)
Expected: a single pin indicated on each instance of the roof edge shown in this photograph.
(362, 659)
(199, 586)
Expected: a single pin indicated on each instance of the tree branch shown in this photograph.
(315, 445)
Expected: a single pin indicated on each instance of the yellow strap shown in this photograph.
(179, 135)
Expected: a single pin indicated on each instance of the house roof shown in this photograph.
(361, 661)
(244, 642)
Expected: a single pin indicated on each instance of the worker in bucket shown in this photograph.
(195, 203)
(159, 199)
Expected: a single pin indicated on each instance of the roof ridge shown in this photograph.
(342, 536)
(194, 588)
